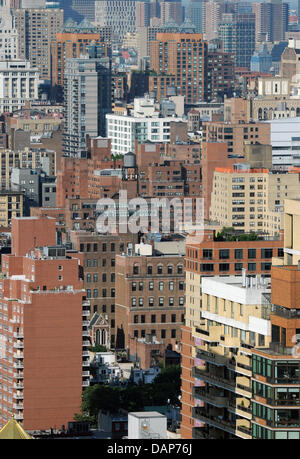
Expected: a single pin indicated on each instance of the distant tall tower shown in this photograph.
(8, 33)
(87, 98)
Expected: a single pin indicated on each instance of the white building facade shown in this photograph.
(18, 84)
(8, 33)
(125, 130)
(285, 141)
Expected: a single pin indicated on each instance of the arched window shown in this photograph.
(103, 341)
(97, 336)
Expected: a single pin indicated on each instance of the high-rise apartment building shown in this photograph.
(271, 20)
(142, 14)
(237, 32)
(8, 33)
(43, 333)
(233, 320)
(183, 55)
(217, 256)
(87, 99)
(195, 11)
(276, 367)
(171, 10)
(70, 43)
(120, 15)
(252, 199)
(36, 28)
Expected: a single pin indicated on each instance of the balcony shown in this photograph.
(18, 345)
(243, 411)
(85, 323)
(85, 333)
(216, 359)
(85, 383)
(19, 417)
(18, 375)
(200, 433)
(19, 365)
(18, 335)
(86, 374)
(244, 432)
(85, 354)
(203, 416)
(18, 406)
(18, 386)
(18, 355)
(202, 394)
(86, 343)
(215, 380)
(85, 313)
(18, 396)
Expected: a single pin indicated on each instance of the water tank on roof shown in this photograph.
(129, 160)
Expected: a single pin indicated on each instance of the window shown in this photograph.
(171, 301)
(133, 302)
(223, 267)
(163, 318)
(151, 285)
(181, 285)
(171, 286)
(161, 301)
(170, 269)
(143, 318)
(151, 301)
(238, 254)
(179, 269)
(133, 286)
(153, 318)
(251, 266)
(207, 253)
(136, 319)
(161, 286)
(238, 266)
(224, 254)
(135, 269)
(173, 318)
(266, 253)
(149, 269)
(173, 333)
(163, 334)
(159, 269)
(141, 301)
(251, 253)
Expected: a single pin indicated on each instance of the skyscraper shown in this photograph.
(185, 56)
(271, 20)
(195, 12)
(36, 28)
(118, 14)
(237, 32)
(87, 98)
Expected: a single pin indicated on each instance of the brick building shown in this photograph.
(149, 297)
(42, 366)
